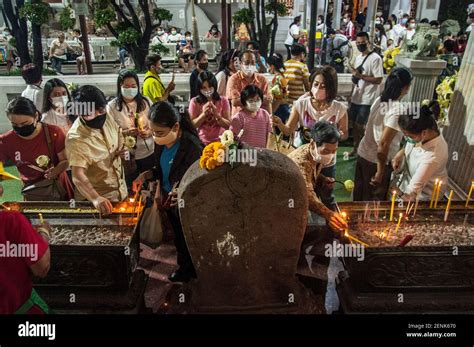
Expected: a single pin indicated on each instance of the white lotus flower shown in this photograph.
(227, 138)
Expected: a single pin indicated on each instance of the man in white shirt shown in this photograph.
(410, 31)
(293, 35)
(367, 75)
(32, 75)
(399, 29)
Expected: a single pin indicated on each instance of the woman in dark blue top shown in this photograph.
(178, 148)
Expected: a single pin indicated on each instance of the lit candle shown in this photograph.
(470, 192)
(346, 234)
(448, 205)
(437, 194)
(394, 194)
(433, 193)
(399, 221)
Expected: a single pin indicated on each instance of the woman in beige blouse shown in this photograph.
(130, 109)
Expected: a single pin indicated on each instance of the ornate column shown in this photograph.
(425, 73)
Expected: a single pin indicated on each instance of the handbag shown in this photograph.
(151, 227)
(46, 190)
(276, 143)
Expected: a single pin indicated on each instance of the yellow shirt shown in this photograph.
(94, 150)
(295, 72)
(153, 88)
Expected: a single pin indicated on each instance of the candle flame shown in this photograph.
(132, 200)
(344, 215)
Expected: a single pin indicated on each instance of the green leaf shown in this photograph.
(159, 48)
(65, 20)
(161, 14)
(104, 16)
(37, 13)
(280, 7)
(244, 15)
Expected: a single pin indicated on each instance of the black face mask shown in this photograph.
(25, 130)
(362, 47)
(96, 123)
(203, 66)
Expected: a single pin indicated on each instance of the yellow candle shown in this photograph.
(40, 215)
(448, 205)
(469, 195)
(393, 205)
(139, 206)
(437, 194)
(433, 193)
(416, 205)
(399, 221)
(354, 239)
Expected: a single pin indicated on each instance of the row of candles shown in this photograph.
(411, 206)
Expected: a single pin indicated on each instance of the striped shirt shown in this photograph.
(256, 128)
(295, 72)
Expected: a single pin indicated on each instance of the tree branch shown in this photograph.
(112, 30)
(135, 19)
(120, 12)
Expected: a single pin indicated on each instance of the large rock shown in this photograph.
(244, 227)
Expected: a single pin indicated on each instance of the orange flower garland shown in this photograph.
(212, 156)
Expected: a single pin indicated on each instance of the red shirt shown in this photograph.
(24, 152)
(15, 275)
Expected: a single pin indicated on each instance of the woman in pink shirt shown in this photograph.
(255, 121)
(209, 111)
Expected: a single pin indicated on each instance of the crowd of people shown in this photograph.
(73, 143)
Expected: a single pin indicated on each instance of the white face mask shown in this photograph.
(387, 27)
(208, 93)
(319, 21)
(60, 101)
(346, 20)
(249, 69)
(323, 159)
(412, 26)
(161, 32)
(129, 92)
(253, 106)
(173, 32)
(166, 140)
(377, 22)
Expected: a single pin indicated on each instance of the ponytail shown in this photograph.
(398, 79)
